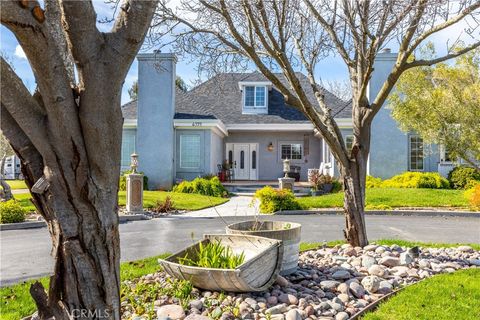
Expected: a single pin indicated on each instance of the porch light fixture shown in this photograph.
(286, 167)
(270, 147)
(134, 162)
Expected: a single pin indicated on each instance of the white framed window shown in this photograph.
(291, 151)
(255, 99)
(190, 151)
(349, 142)
(128, 147)
(415, 153)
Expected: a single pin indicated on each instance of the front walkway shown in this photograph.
(237, 206)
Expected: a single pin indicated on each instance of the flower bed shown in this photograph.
(333, 283)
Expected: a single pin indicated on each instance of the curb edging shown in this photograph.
(42, 224)
(419, 213)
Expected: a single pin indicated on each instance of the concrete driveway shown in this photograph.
(25, 253)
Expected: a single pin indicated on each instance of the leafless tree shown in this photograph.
(67, 135)
(289, 36)
(340, 88)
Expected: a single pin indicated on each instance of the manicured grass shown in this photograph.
(443, 297)
(393, 197)
(16, 302)
(181, 201)
(17, 184)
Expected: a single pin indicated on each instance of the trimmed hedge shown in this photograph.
(272, 200)
(463, 177)
(429, 180)
(123, 181)
(11, 211)
(207, 187)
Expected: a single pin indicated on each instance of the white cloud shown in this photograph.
(19, 52)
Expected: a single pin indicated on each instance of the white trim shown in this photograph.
(270, 127)
(215, 125)
(130, 123)
(242, 84)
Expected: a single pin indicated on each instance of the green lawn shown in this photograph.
(17, 184)
(16, 302)
(393, 197)
(443, 297)
(181, 201)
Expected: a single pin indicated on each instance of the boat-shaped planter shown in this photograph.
(263, 258)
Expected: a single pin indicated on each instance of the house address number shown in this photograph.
(197, 124)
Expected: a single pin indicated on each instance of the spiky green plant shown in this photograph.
(213, 255)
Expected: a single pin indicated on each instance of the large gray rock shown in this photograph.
(357, 289)
(465, 249)
(329, 285)
(384, 287)
(341, 275)
(342, 288)
(293, 314)
(281, 281)
(389, 261)
(368, 261)
(197, 304)
(288, 299)
(405, 258)
(377, 270)
(371, 283)
(171, 311)
(341, 316)
(278, 309)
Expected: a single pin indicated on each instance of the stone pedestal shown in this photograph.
(286, 183)
(134, 193)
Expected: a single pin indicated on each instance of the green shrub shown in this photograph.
(430, 180)
(463, 177)
(11, 211)
(373, 182)
(272, 200)
(207, 187)
(473, 196)
(123, 181)
(337, 186)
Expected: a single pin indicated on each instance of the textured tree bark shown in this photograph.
(68, 138)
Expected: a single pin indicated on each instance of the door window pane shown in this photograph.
(242, 159)
(254, 159)
(230, 157)
(190, 151)
(416, 153)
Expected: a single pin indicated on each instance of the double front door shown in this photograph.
(243, 158)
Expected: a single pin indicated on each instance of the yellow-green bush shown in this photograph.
(373, 182)
(272, 200)
(473, 196)
(430, 180)
(463, 177)
(11, 211)
(207, 187)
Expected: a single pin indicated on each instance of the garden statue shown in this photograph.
(286, 182)
(134, 188)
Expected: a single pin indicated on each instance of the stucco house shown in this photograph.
(243, 119)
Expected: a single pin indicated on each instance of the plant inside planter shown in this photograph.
(321, 183)
(213, 255)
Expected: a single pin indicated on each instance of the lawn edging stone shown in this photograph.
(396, 212)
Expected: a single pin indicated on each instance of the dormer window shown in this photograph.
(254, 97)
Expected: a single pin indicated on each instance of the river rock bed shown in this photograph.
(330, 283)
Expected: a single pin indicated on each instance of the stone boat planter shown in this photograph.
(288, 232)
(257, 273)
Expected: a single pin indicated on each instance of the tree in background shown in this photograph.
(133, 91)
(442, 104)
(68, 138)
(292, 36)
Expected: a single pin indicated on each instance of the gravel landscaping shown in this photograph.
(331, 283)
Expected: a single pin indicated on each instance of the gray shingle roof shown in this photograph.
(221, 98)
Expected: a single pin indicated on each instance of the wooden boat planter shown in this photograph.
(288, 232)
(260, 269)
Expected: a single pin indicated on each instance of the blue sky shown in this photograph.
(331, 68)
